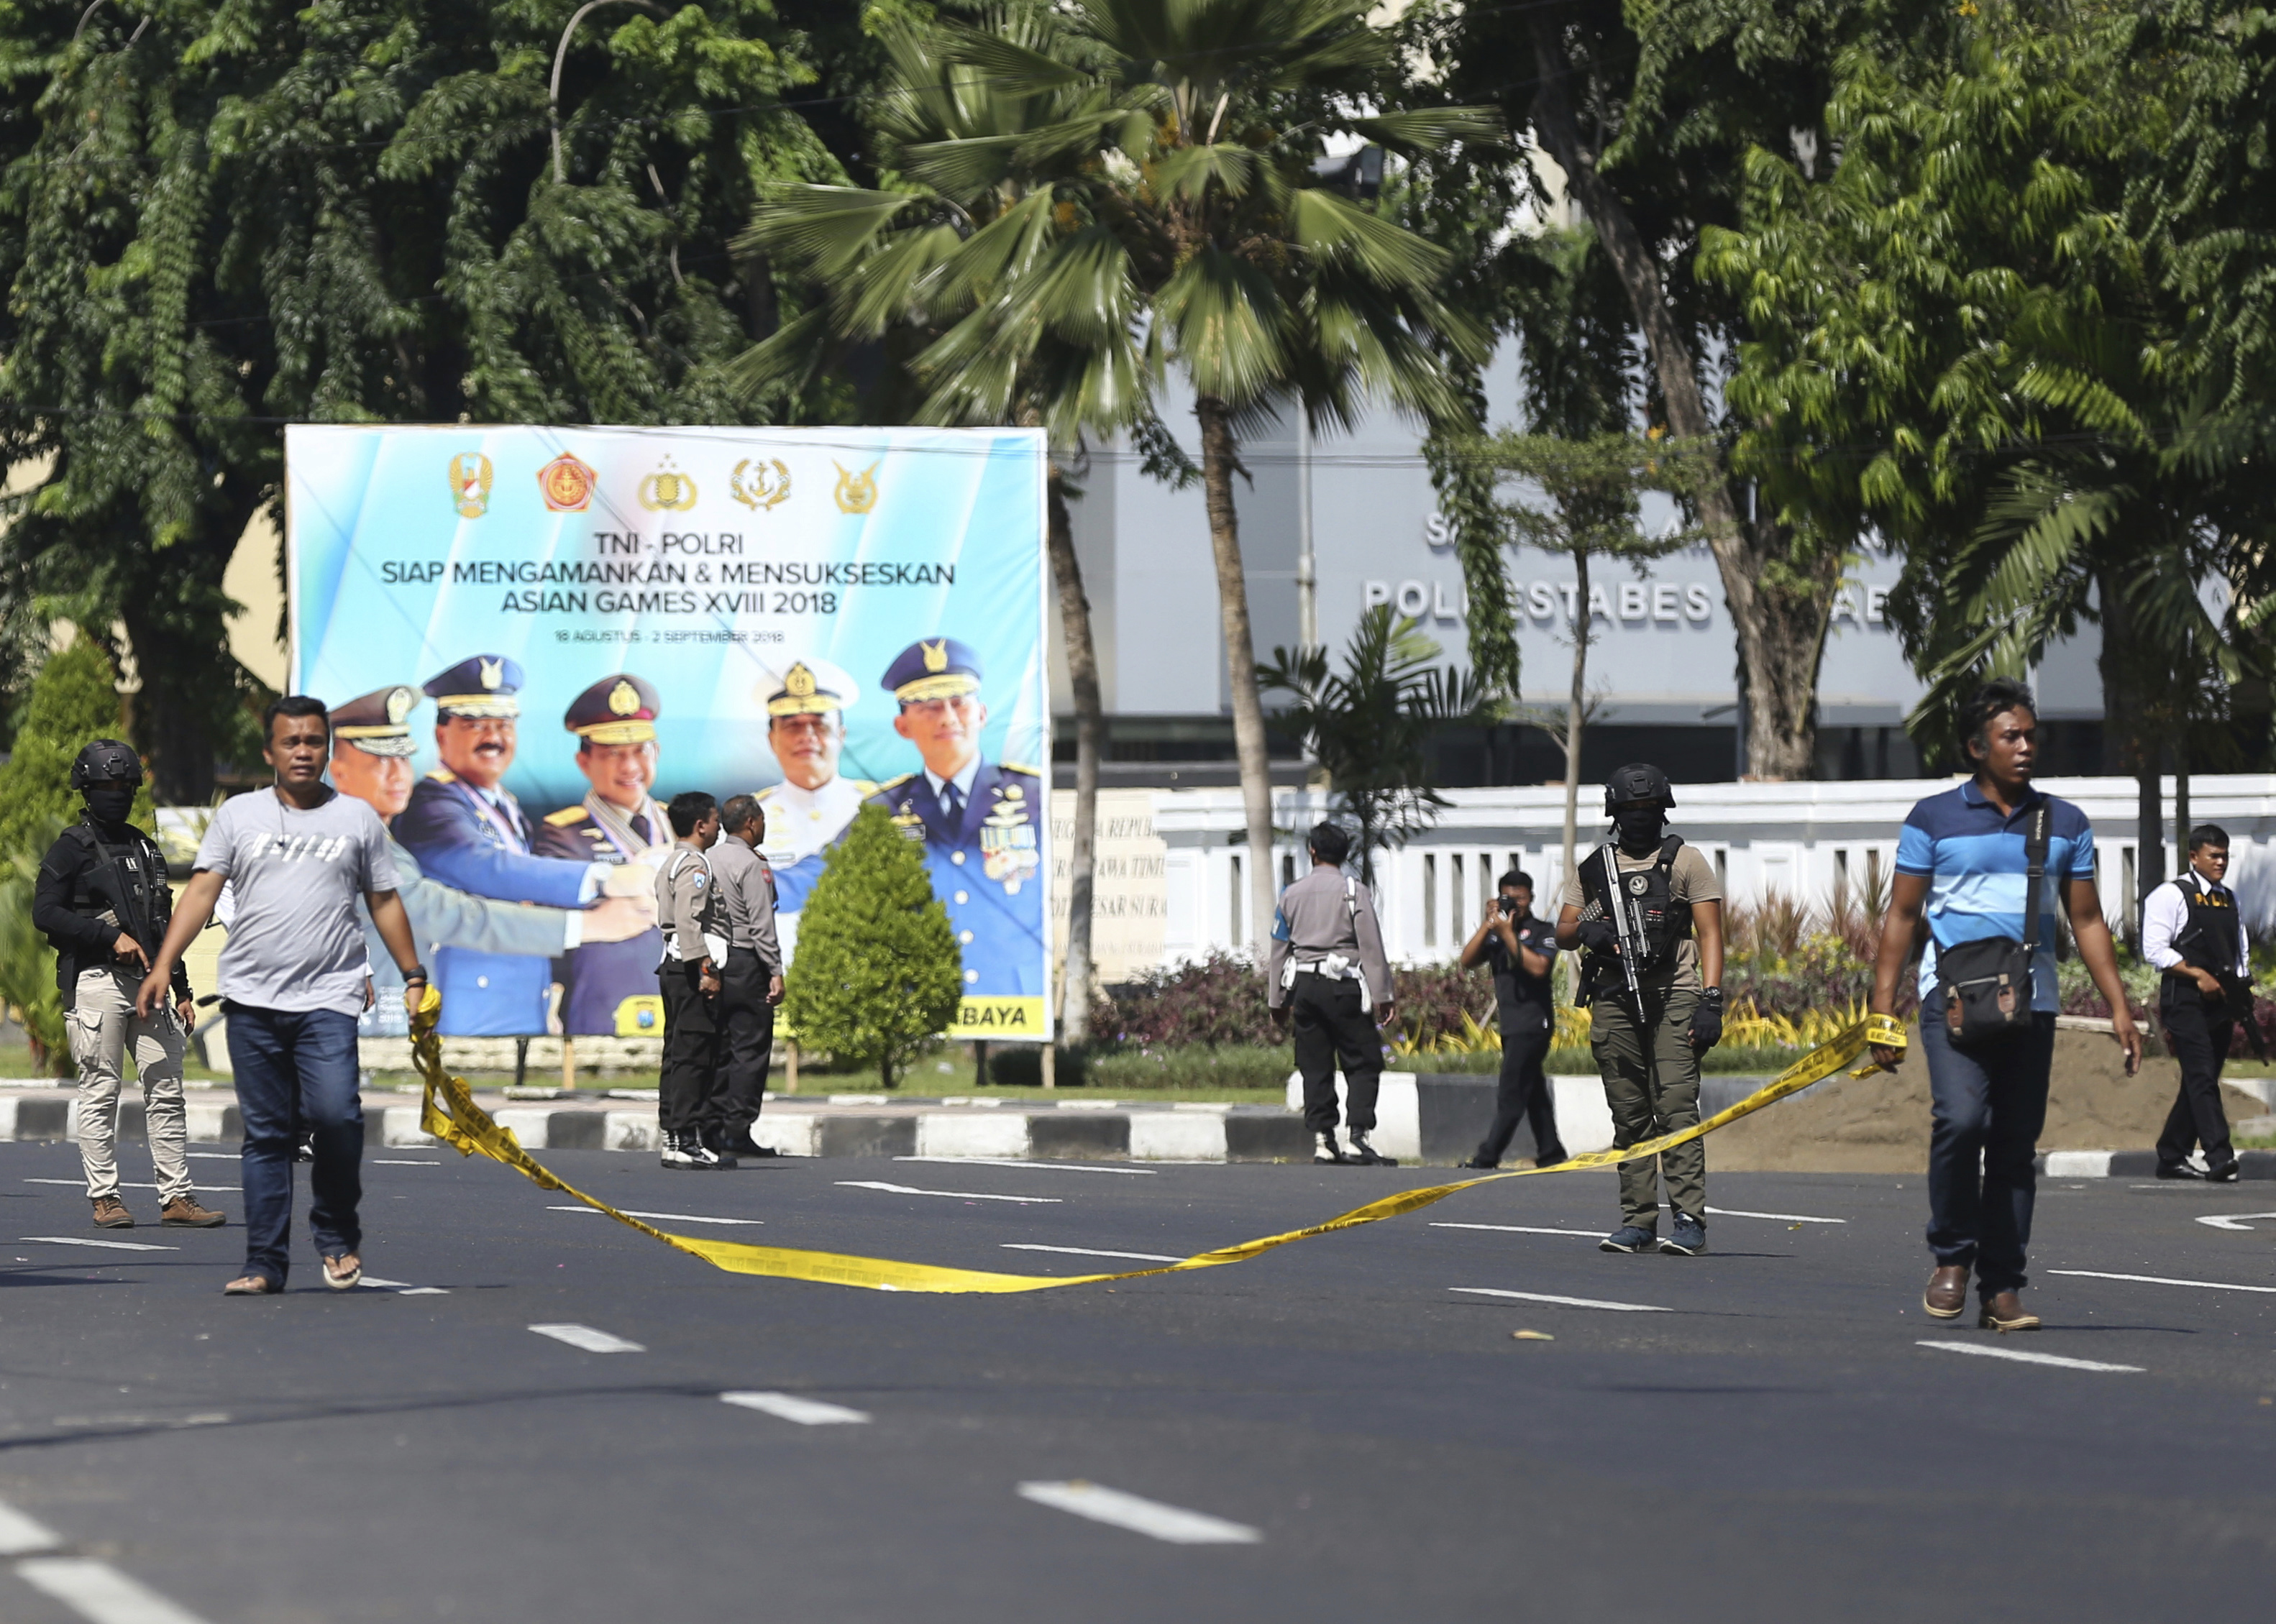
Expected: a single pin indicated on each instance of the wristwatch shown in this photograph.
(417, 972)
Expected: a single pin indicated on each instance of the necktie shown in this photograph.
(640, 827)
(952, 801)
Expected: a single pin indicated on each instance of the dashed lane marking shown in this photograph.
(1522, 1229)
(81, 1184)
(404, 1288)
(677, 1218)
(108, 1246)
(2159, 1279)
(1780, 1218)
(2234, 1220)
(1540, 1297)
(590, 1340)
(100, 1593)
(383, 1161)
(2020, 1357)
(788, 1407)
(1172, 1523)
(1045, 1167)
(954, 1195)
(1087, 1252)
(20, 1536)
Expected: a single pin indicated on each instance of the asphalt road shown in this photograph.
(1778, 1444)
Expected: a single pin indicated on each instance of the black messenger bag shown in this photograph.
(1987, 985)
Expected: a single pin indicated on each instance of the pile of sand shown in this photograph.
(1880, 1123)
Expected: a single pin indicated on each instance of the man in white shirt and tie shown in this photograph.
(2192, 932)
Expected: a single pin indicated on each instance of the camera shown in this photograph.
(1508, 905)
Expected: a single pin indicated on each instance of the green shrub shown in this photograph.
(73, 700)
(877, 976)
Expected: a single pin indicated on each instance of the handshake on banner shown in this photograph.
(627, 905)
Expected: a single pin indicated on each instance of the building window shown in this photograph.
(1287, 869)
(1429, 901)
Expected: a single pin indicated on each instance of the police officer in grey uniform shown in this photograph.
(1329, 978)
(103, 901)
(693, 916)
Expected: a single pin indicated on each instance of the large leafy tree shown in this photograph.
(1172, 224)
(223, 217)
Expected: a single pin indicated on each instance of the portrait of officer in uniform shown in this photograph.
(465, 829)
(371, 760)
(982, 821)
(609, 988)
(810, 808)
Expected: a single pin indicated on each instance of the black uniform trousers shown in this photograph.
(688, 1092)
(749, 1042)
(1524, 1097)
(2200, 1039)
(1330, 1025)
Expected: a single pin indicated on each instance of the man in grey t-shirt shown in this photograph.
(295, 859)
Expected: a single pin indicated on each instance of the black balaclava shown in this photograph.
(1639, 823)
(111, 804)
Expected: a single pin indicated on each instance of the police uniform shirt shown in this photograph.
(1525, 1000)
(1327, 912)
(2165, 915)
(1690, 879)
(690, 911)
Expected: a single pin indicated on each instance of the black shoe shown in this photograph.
(1479, 1164)
(739, 1143)
(1550, 1158)
(1325, 1152)
(1630, 1238)
(2227, 1172)
(305, 1151)
(721, 1147)
(2178, 1170)
(1365, 1154)
(687, 1152)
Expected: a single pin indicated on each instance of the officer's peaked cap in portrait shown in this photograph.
(375, 723)
(933, 669)
(484, 685)
(106, 761)
(1639, 780)
(617, 710)
(808, 688)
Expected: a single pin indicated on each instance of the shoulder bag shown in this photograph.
(1987, 983)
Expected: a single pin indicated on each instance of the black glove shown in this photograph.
(1707, 1020)
(1599, 936)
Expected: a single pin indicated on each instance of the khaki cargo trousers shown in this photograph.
(1647, 1101)
(103, 1025)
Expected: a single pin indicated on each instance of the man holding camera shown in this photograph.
(1519, 951)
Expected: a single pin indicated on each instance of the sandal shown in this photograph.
(344, 1272)
(251, 1286)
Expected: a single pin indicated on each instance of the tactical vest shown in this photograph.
(122, 885)
(1648, 894)
(2209, 940)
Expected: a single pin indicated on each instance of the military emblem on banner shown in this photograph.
(667, 490)
(566, 484)
(762, 485)
(856, 493)
(470, 484)
(1008, 852)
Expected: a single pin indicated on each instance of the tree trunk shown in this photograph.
(2127, 745)
(1781, 627)
(1575, 714)
(1219, 457)
(1089, 726)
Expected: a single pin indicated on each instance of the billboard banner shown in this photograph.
(531, 638)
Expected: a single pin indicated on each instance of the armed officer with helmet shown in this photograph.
(1329, 975)
(1648, 912)
(103, 901)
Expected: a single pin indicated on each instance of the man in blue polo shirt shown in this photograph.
(1963, 865)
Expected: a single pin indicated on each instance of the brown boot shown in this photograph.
(2003, 1311)
(184, 1212)
(1948, 1292)
(110, 1214)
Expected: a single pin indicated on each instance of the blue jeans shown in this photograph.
(1989, 1104)
(296, 1074)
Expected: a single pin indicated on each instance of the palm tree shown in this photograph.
(893, 267)
(1171, 217)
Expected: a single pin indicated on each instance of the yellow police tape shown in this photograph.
(449, 1113)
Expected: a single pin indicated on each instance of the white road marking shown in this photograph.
(954, 1194)
(1151, 1518)
(590, 1340)
(677, 1218)
(20, 1535)
(1782, 1217)
(100, 1593)
(2234, 1220)
(81, 1183)
(2021, 1357)
(2159, 1279)
(111, 1246)
(405, 1289)
(214, 1155)
(1085, 1251)
(383, 1161)
(1047, 1166)
(1522, 1229)
(1538, 1296)
(806, 1412)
